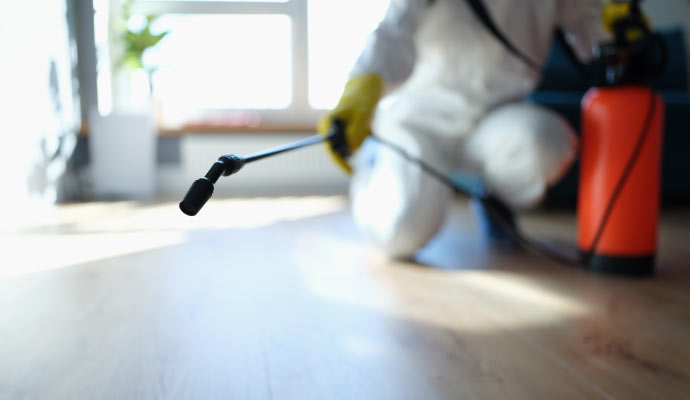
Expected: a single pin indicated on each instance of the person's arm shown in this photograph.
(386, 61)
(390, 49)
(582, 21)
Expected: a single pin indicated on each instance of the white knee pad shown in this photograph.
(520, 150)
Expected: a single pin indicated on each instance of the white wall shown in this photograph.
(37, 100)
(670, 13)
(665, 13)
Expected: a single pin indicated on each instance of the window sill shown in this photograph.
(220, 130)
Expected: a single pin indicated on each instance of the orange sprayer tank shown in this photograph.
(620, 169)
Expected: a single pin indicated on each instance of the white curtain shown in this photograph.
(39, 115)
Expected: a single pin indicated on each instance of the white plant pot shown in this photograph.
(122, 149)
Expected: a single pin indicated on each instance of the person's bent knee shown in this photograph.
(522, 150)
(399, 225)
(396, 231)
(401, 244)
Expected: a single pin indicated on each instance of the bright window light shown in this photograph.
(222, 62)
(337, 34)
(235, 1)
(282, 61)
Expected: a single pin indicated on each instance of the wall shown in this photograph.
(38, 101)
(670, 13)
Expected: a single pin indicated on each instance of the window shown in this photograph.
(249, 63)
(227, 71)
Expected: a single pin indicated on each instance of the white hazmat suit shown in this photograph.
(455, 100)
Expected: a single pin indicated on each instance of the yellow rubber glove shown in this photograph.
(355, 109)
(614, 11)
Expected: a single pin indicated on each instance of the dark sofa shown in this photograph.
(562, 88)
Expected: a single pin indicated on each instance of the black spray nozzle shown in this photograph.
(197, 195)
(202, 189)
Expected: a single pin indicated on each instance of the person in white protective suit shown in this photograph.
(453, 96)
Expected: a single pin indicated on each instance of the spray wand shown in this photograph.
(202, 189)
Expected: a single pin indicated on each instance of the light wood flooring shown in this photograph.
(282, 299)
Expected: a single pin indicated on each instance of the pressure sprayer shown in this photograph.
(619, 189)
(620, 162)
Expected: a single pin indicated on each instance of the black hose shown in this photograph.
(497, 217)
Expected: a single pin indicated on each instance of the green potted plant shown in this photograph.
(134, 36)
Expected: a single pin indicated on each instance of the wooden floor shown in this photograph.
(282, 299)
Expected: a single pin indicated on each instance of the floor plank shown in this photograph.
(283, 299)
